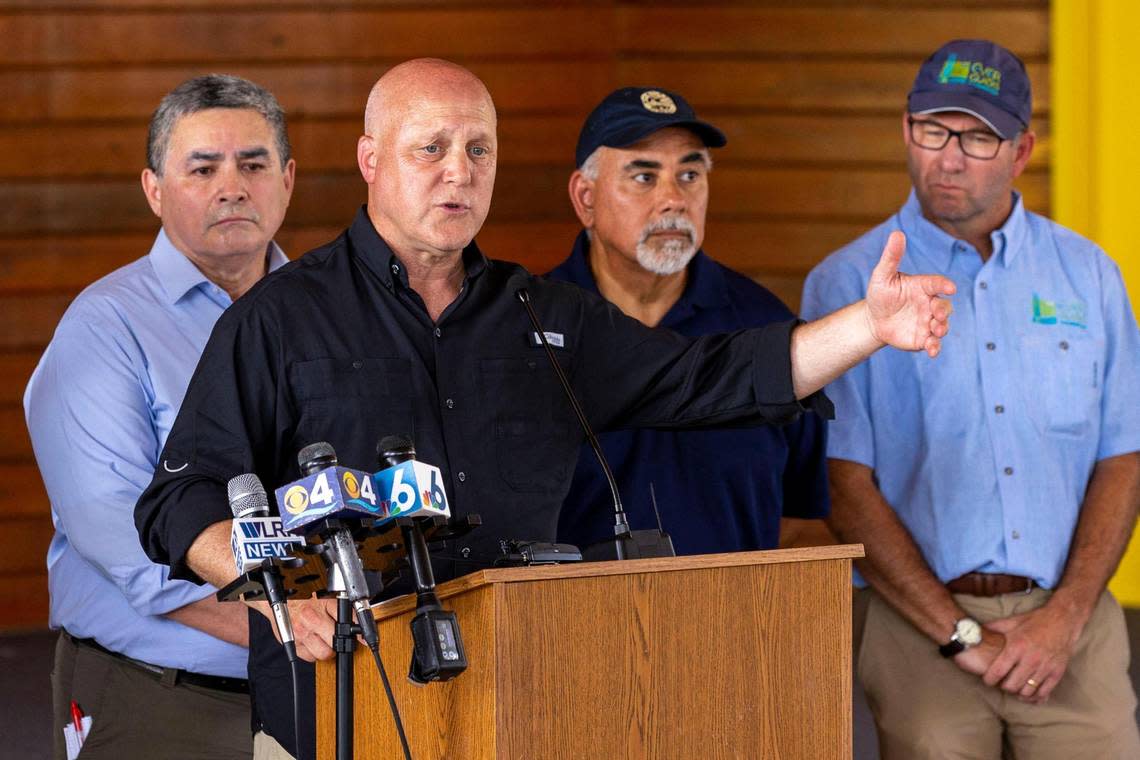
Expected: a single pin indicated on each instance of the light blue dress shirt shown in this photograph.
(99, 407)
(985, 452)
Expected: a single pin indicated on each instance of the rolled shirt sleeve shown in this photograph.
(224, 412)
(631, 375)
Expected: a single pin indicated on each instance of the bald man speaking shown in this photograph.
(401, 325)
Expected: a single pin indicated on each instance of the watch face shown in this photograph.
(969, 632)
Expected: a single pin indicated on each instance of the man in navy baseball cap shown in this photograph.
(632, 113)
(641, 193)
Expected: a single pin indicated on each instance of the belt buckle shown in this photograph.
(1029, 585)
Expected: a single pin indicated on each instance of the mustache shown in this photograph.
(235, 209)
(671, 223)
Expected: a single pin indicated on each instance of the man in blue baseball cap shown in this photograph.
(995, 497)
(641, 191)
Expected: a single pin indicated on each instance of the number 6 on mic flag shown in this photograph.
(411, 489)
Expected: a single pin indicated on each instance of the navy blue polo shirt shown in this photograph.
(717, 490)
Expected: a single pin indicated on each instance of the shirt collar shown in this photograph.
(1011, 237)
(383, 262)
(178, 275)
(940, 247)
(704, 288)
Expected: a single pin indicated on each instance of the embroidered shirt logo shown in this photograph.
(1046, 312)
(973, 73)
(555, 339)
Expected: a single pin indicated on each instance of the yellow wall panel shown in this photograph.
(1096, 155)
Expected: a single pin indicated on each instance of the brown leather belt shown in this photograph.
(991, 584)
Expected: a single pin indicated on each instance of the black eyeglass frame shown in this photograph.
(951, 134)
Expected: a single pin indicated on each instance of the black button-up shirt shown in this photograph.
(336, 347)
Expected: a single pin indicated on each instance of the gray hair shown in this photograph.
(589, 167)
(212, 91)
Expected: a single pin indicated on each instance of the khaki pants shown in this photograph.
(925, 707)
(134, 715)
(265, 747)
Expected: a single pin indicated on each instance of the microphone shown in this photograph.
(437, 646)
(407, 487)
(628, 544)
(320, 502)
(255, 537)
(325, 491)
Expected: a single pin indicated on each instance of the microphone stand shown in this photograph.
(344, 644)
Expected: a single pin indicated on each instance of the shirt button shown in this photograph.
(450, 403)
(999, 409)
(1008, 470)
(357, 364)
(462, 477)
(438, 332)
(1015, 535)
(983, 285)
(1064, 345)
(990, 346)
(395, 269)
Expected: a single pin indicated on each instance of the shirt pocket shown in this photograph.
(1060, 381)
(532, 433)
(352, 398)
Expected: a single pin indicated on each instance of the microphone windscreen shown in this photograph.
(393, 449)
(316, 456)
(247, 496)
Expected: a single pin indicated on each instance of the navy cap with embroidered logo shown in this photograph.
(632, 113)
(977, 77)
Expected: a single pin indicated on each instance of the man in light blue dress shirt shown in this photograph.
(995, 492)
(158, 665)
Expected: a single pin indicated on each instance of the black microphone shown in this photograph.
(341, 547)
(628, 544)
(437, 646)
(250, 506)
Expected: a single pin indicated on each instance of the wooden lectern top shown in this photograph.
(401, 604)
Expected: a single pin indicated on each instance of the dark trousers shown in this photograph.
(135, 715)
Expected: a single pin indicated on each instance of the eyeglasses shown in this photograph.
(976, 143)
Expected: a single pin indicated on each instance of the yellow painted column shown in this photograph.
(1095, 153)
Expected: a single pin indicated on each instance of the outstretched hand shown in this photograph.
(904, 310)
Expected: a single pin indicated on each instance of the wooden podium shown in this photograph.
(743, 655)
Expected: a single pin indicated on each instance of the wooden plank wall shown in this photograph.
(809, 93)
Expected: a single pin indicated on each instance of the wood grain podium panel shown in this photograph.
(742, 655)
(747, 645)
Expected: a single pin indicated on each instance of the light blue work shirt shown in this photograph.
(99, 407)
(985, 452)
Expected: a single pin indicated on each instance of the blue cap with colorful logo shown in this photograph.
(977, 77)
(632, 113)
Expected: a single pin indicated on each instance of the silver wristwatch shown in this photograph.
(967, 633)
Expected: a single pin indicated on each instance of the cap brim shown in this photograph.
(1005, 124)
